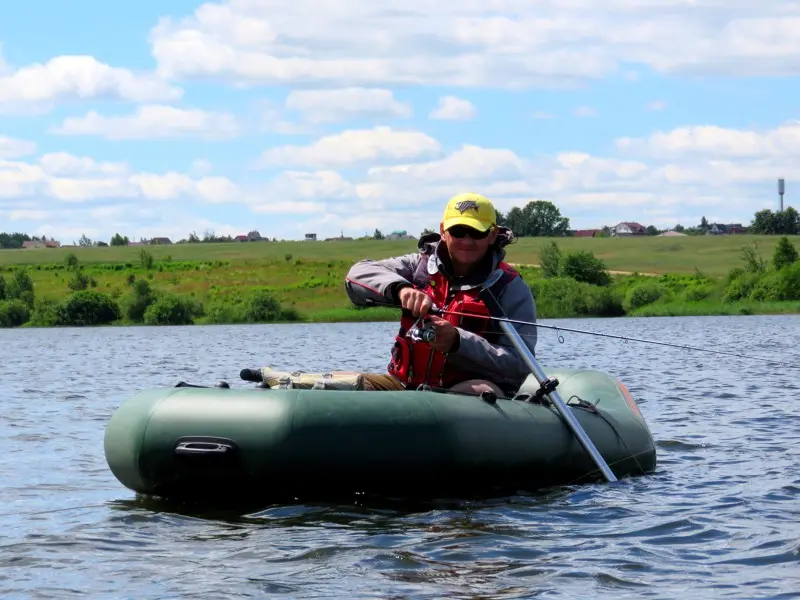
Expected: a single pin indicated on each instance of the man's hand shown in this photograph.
(446, 334)
(416, 301)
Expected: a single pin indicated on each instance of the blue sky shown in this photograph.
(292, 117)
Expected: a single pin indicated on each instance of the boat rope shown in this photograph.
(559, 329)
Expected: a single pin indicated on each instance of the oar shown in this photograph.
(547, 387)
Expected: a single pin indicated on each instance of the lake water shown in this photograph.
(719, 519)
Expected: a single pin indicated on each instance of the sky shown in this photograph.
(291, 117)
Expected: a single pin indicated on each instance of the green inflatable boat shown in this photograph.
(289, 438)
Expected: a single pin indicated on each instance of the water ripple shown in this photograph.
(720, 518)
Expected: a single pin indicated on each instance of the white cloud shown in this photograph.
(782, 141)
(14, 148)
(320, 106)
(355, 146)
(657, 105)
(511, 44)
(153, 122)
(37, 87)
(62, 163)
(201, 166)
(584, 111)
(451, 108)
(400, 180)
(468, 163)
(69, 178)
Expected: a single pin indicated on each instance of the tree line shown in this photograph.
(538, 218)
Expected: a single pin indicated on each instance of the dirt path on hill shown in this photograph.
(535, 266)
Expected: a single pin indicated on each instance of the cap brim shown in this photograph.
(467, 221)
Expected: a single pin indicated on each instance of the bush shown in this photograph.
(138, 300)
(697, 292)
(741, 287)
(3, 286)
(13, 313)
(81, 281)
(785, 253)
(643, 293)
(586, 267)
(550, 260)
(45, 313)
(261, 307)
(558, 297)
(146, 259)
(169, 310)
(225, 313)
(753, 262)
(778, 286)
(21, 287)
(88, 307)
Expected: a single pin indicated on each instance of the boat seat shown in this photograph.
(332, 380)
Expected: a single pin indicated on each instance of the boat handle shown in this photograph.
(202, 448)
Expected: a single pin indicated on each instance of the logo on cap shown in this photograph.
(466, 205)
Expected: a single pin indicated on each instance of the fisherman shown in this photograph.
(460, 269)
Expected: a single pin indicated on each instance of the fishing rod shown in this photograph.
(439, 311)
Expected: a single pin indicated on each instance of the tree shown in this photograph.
(787, 221)
(704, 226)
(651, 230)
(764, 222)
(537, 218)
(193, 239)
(377, 235)
(85, 242)
(542, 218)
(515, 221)
(119, 240)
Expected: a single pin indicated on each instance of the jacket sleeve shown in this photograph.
(379, 279)
(500, 362)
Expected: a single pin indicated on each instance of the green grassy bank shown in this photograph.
(304, 281)
(713, 255)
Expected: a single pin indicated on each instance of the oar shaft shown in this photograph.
(555, 398)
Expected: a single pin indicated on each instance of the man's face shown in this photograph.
(467, 245)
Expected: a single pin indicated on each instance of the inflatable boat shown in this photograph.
(312, 436)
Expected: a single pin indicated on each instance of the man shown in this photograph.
(470, 353)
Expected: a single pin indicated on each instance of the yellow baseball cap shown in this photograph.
(472, 210)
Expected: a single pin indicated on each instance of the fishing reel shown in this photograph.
(422, 332)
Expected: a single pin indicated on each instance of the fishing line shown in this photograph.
(558, 329)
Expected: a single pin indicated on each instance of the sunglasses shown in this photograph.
(461, 231)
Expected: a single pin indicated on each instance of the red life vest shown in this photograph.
(415, 363)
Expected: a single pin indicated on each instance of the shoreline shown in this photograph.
(788, 308)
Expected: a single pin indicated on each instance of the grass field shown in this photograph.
(308, 277)
(712, 255)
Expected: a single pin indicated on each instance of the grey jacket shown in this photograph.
(500, 363)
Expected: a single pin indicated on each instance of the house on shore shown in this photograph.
(628, 228)
(252, 236)
(41, 244)
(586, 232)
(728, 229)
